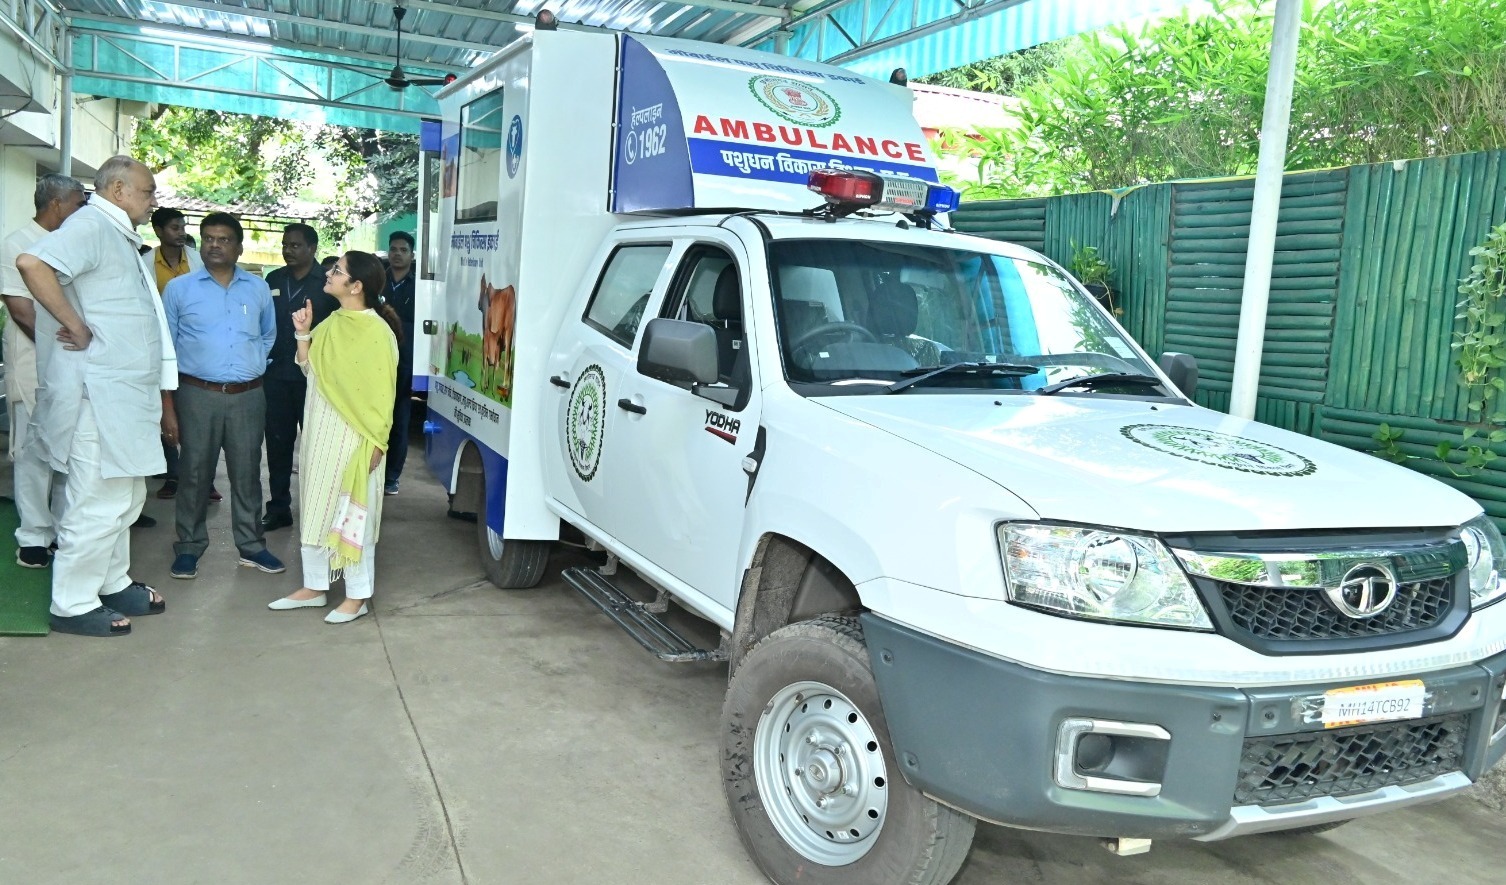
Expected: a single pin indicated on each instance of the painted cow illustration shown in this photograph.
(500, 316)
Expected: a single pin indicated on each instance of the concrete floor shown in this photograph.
(466, 734)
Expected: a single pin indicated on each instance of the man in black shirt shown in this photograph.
(300, 282)
(399, 294)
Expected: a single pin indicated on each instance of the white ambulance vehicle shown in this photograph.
(974, 555)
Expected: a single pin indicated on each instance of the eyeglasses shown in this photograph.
(337, 269)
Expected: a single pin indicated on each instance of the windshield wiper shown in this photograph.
(1099, 380)
(1016, 370)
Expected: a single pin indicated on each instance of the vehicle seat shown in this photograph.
(727, 310)
(893, 311)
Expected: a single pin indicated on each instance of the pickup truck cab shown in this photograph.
(973, 553)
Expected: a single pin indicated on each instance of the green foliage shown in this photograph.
(1388, 436)
(1088, 267)
(1182, 97)
(211, 150)
(1001, 75)
(1480, 349)
(262, 163)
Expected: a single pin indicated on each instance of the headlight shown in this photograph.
(1486, 552)
(1097, 574)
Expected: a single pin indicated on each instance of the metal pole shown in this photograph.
(65, 117)
(782, 36)
(1268, 175)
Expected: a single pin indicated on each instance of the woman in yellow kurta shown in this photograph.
(352, 361)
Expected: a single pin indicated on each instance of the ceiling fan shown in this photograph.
(398, 79)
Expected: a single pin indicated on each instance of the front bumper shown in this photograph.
(987, 736)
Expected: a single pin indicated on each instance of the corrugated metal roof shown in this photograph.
(326, 59)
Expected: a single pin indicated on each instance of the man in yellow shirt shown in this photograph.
(174, 257)
(171, 260)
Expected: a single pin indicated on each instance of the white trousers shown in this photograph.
(40, 493)
(360, 578)
(94, 535)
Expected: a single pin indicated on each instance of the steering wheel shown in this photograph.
(853, 331)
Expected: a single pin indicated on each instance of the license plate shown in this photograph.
(1381, 702)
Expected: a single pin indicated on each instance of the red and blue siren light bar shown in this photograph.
(853, 189)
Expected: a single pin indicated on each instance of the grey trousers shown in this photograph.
(209, 422)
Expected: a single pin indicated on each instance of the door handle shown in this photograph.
(628, 405)
(559, 381)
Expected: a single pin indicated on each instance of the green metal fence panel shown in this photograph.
(1356, 429)
(1410, 228)
(1131, 232)
(1138, 247)
(1363, 293)
(1015, 221)
(1209, 236)
(1077, 220)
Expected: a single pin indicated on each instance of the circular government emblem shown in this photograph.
(585, 419)
(796, 101)
(1219, 449)
(514, 145)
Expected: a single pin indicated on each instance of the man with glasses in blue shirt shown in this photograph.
(223, 326)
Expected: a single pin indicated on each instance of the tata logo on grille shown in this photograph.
(1366, 591)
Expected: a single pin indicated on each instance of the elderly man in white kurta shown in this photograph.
(103, 359)
(56, 198)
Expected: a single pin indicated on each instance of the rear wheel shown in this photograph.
(809, 773)
(509, 564)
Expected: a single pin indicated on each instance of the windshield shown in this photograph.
(856, 316)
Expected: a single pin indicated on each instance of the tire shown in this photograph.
(807, 690)
(511, 565)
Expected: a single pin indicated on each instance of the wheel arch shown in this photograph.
(786, 582)
(467, 480)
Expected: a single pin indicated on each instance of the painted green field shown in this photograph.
(465, 366)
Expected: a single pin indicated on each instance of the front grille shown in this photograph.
(1294, 767)
(1306, 613)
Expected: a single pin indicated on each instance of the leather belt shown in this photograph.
(220, 386)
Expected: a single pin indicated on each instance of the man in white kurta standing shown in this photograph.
(103, 359)
(56, 198)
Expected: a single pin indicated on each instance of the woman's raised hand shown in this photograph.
(303, 318)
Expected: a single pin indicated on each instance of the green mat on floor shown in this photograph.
(24, 592)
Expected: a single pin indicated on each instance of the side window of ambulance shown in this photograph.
(623, 292)
(479, 164)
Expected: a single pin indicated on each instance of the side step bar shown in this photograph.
(636, 619)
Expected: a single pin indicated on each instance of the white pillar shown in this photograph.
(1268, 175)
(65, 115)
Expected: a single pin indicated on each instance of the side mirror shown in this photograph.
(678, 352)
(1181, 368)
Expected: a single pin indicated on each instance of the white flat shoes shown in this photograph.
(339, 617)
(288, 602)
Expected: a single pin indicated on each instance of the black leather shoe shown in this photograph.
(274, 521)
(144, 522)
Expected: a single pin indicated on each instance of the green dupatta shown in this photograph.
(355, 369)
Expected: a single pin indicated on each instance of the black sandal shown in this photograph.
(135, 601)
(94, 623)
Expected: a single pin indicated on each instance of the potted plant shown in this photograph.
(1093, 272)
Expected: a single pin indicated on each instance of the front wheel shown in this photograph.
(810, 775)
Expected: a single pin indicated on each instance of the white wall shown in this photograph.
(29, 140)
